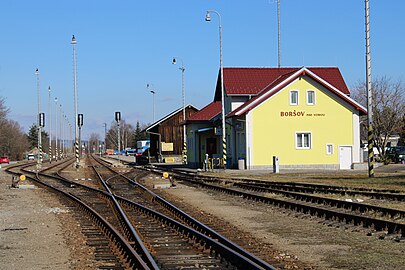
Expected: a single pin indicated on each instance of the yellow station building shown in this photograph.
(302, 116)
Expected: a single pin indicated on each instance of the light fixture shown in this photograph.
(208, 17)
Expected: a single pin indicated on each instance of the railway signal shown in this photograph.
(79, 125)
(41, 120)
(118, 119)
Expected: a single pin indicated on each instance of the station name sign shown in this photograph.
(295, 113)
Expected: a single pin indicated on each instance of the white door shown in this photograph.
(345, 157)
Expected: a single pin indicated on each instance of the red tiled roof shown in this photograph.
(207, 113)
(280, 82)
(250, 81)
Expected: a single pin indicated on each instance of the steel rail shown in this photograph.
(232, 256)
(126, 226)
(360, 207)
(367, 222)
(130, 231)
(195, 224)
(313, 188)
(126, 252)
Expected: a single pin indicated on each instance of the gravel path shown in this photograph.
(296, 235)
(38, 232)
(30, 230)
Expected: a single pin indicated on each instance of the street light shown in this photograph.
(369, 89)
(61, 132)
(39, 157)
(65, 123)
(184, 108)
(208, 19)
(50, 124)
(56, 129)
(153, 102)
(75, 103)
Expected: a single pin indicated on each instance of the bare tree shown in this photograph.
(13, 141)
(127, 136)
(388, 109)
(94, 142)
(3, 109)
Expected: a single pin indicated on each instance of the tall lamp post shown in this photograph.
(184, 108)
(278, 36)
(153, 102)
(39, 157)
(369, 94)
(56, 129)
(208, 19)
(75, 103)
(61, 132)
(50, 124)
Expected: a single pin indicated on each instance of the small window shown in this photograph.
(303, 140)
(294, 97)
(310, 97)
(329, 149)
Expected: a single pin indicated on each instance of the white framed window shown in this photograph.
(329, 149)
(303, 140)
(294, 97)
(310, 97)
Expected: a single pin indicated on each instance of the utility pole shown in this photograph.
(278, 24)
(74, 42)
(369, 94)
(39, 157)
(56, 129)
(50, 124)
(224, 140)
(184, 153)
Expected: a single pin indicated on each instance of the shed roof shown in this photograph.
(207, 113)
(151, 126)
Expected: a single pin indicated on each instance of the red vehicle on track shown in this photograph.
(4, 160)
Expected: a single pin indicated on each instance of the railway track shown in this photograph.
(374, 219)
(142, 204)
(384, 194)
(173, 244)
(112, 251)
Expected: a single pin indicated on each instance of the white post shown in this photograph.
(369, 94)
(224, 147)
(50, 124)
(39, 157)
(75, 103)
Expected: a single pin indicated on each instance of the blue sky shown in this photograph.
(124, 45)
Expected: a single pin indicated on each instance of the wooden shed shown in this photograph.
(166, 134)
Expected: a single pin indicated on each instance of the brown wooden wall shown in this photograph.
(171, 131)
